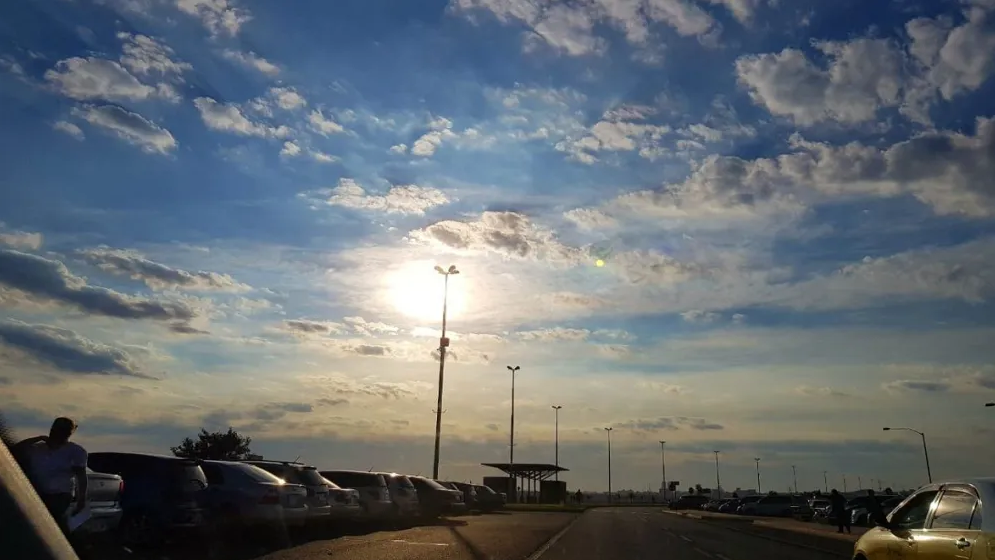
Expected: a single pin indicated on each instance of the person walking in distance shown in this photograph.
(56, 466)
(837, 509)
(875, 513)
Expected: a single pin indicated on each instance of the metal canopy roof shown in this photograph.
(539, 471)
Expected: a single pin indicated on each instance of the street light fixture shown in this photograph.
(556, 409)
(718, 484)
(757, 459)
(925, 451)
(443, 344)
(609, 430)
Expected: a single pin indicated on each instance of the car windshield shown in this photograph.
(597, 255)
(255, 473)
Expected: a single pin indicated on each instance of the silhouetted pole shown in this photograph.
(443, 343)
(556, 409)
(757, 459)
(609, 430)
(511, 446)
(663, 467)
(718, 484)
(925, 451)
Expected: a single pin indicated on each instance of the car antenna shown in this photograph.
(371, 469)
(297, 459)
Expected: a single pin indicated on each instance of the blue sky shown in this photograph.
(220, 213)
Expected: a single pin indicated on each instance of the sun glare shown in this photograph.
(416, 290)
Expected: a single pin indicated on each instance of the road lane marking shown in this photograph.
(700, 551)
(548, 544)
(686, 538)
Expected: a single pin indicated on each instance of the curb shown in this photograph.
(689, 515)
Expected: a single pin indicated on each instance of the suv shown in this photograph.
(372, 487)
(163, 496)
(402, 494)
(691, 501)
(435, 499)
(318, 506)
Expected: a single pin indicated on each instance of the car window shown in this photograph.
(954, 510)
(255, 473)
(976, 519)
(310, 476)
(403, 482)
(330, 484)
(913, 514)
(425, 484)
(189, 474)
(274, 469)
(348, 479)
(485, 489)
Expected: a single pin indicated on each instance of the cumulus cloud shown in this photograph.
(218, 16)
(287, 98)
(67, 350)
(669, 423)
(425, 146)
(699, 316)
(145, 56)
(322, 124)
(252, 60)
(269, 412)
(616, 131)
(22, 240)
(130, 127)
(304, 326)
(400, 199)
(382, 389)
(156, 275)
(509, 234)
(555, 334)
(70, 129)
(955, 59)
(96, 78)
(370, 328)
(46, 279)
(228, 117)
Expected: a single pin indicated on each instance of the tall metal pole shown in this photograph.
(511, 446)
(925, 451)
(556, 409)
(757, 459)
(825, 480)
(860, 483)
(794, 475)
(443, 343)
(663, 467)
(609, 430)
(844, 484)
(718, 484)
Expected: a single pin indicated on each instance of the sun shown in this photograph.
(416, 290)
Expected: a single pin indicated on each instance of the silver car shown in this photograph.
(372, 487)
(403, 495)
(241, 494)
(103, 493)
(318, 506)
(344, 501)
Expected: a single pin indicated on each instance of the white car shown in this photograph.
(103, 492)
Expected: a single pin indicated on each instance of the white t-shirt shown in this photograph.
(53, 467)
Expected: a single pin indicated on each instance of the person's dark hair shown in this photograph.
(62, 429)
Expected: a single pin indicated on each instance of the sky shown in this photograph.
(759, 227)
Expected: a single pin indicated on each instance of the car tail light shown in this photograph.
(271, 497)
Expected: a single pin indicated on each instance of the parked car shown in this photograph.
(344, 502)
(103, 493)
(163, 496)
(743, 502)
(941, 521)
(374, 497)
(239, 494)
(778, 505)
(469, 494)
(859, 513)
(691, 501)
(318, 507)
(437, 500)
(801, 511)
(729, 506)
(488, 499)
(403, 495)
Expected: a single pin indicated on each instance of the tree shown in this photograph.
(217, 446)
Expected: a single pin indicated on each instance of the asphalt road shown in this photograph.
(603, 533)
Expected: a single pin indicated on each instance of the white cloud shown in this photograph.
(590, 218)
(250, 59)
(322, 157)
(743, 10)
(228, 117)
(156, 275)
(216, 15)
(146, 56)
(70, 129)
(505, 233)
(399, 149)
(400, 199)
(130, 127)
(322, 124)
(96, 78)
(956, 59)
(614, 134)
(290, 149)
(287, 98)
(425, 146)
(22, 240)
(862, 76)
(699, 316)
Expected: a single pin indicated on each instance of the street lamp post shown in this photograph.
(860, 483)
(757, 459)
(511, 445)
(718, 483)
(609, 430)
(825, 480)
(556, 409)
(794, 475)
(663, 467)
(443, 344)
(925, 451)
(844, 484)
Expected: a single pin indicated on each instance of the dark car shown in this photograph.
(435, 499)
(469, 494)
(163, 498)
(729, 506)
(319, 507)
(488, 499)
(689, 502)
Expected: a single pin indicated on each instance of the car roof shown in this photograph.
(271, 462)
(147, 455)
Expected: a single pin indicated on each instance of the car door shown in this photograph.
(954, 526)
(908, 523)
